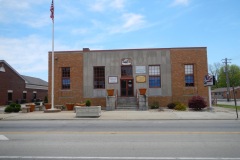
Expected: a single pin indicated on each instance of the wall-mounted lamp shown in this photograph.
(2, 69)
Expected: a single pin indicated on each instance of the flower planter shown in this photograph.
(110, 92)
(47, 105)
(70, 106)
(32, 107)
(142, 91)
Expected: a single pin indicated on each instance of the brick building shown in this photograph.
(168, 74)
(221, 93)
(18, 88)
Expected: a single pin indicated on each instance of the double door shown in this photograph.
(127, 87)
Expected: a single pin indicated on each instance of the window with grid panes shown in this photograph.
(189, 75)
(66, 78)
(154, 76)
(99, 77)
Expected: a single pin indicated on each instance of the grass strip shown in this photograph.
(228, 106)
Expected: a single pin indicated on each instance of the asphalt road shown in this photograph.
(99, 139)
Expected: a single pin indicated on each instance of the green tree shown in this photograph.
(234, 79)
(234, 76)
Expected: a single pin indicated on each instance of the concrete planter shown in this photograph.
(93, 111)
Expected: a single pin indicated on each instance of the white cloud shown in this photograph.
(180, 2)
(103, 5)
(99, 6)
(24, 12)
(130, 22)
(118, 4)
(28, 54)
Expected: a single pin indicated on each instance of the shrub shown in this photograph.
(8, 109)
(13, 107)
(171, 105)
(45, 99)
(180, 107)
(197, 103)
(88, 103)
(154, 105)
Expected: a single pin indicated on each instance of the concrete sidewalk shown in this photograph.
(217, 113)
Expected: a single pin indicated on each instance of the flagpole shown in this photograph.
(52, 16)
(52, 65)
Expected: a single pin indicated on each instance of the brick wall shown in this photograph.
(74, 60)
(180, 57)
(9, 80)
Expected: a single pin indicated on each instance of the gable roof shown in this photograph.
(36, 83)
(31, 82)
(5, 63)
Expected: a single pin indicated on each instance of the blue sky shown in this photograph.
(26, 28)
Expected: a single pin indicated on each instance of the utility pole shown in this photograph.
(226, 61)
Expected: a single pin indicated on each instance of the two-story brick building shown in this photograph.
(19, 88)
(168, 74)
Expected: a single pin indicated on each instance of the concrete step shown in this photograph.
(127, 103)
(126, 107)
(127, 100)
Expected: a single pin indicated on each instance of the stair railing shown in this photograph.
(137, 96)
(116, 99)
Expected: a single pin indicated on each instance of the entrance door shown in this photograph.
(127, 87)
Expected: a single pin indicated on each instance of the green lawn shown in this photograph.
(228, 106)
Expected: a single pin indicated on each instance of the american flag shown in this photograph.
(52, 11)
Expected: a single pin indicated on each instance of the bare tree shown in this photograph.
(215, 70)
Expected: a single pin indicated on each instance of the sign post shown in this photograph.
(209, 80)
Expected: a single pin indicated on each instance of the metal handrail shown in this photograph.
(116, 99)
(137, 96)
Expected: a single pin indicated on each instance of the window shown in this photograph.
(24, 95)
(66, 78)
(9, 96)
(126, 70)
(99, 77)
(189, 76)
(34, 95)
(154, 76)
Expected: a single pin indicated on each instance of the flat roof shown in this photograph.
(130, 49)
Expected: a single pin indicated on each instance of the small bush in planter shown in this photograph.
(180, 107)
(45, 99)
(88, 103)
(197, 103)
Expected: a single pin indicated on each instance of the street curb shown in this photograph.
(84, 119)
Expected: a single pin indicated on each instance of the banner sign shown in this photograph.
(209, 80)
